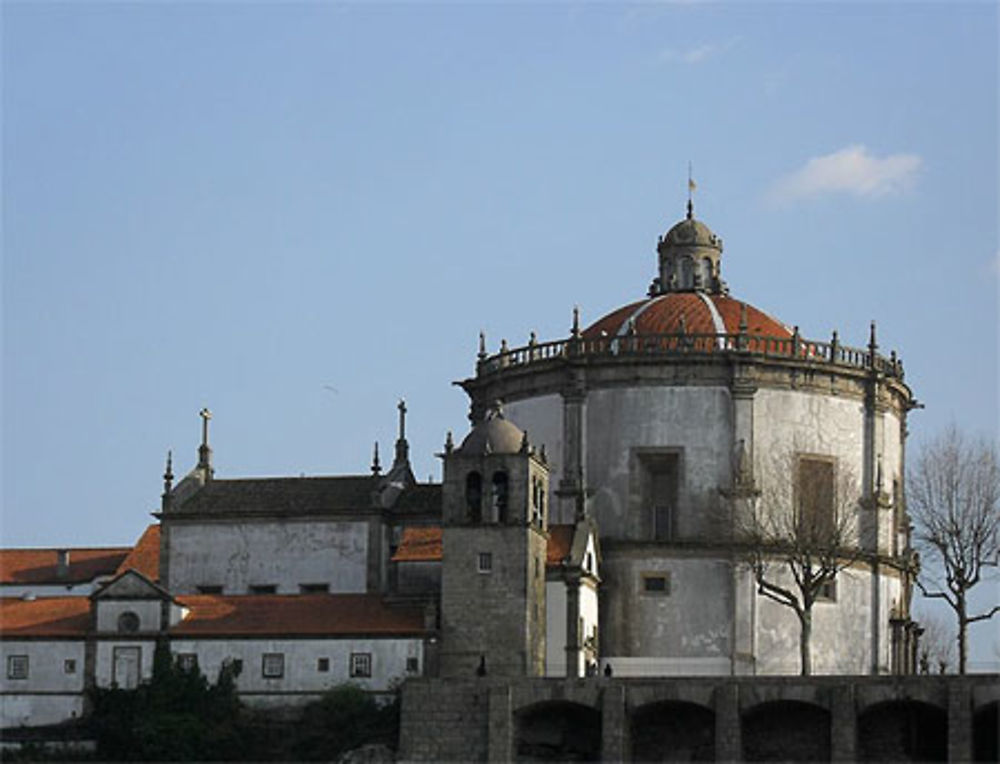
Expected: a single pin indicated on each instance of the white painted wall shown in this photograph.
(301, 674)
(109, 611)
(238, 555)
(48, 695)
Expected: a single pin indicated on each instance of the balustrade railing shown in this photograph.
(631, 345)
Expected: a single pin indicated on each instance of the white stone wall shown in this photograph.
(241, 554)
(48, 694)
(109, 611)
(695, 420)
(542, 419)
(301, 663)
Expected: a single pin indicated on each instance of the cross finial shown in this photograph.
(402, 419)
(205, 415)
(691, 189)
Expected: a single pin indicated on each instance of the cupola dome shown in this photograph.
(689, 259)
(493, 435)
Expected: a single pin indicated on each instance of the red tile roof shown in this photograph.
(40, 566)
(44, 617)
(145, 555)
(419, 544)
(560, 543)
(662, 315)
(423, 544)
(296, 614)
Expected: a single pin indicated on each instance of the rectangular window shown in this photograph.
(485, 562)
(69, 666)
(828, 591)
(17, 666)
(263, 589)
(412, 665)
(187, 661)
(361, 665)
(814, 493)
(314, 588)
(659, 478)
(323, 664)
(656, 583)
(210, 589)
(273, 665)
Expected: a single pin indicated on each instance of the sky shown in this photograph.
(297, 213)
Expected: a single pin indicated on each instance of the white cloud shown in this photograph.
(852, 170)
(698, 53)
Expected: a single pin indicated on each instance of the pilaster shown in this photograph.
(614, 724)
(728, 746)
(573, 625)
(572, 484)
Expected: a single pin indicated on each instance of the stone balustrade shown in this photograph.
(794, 348)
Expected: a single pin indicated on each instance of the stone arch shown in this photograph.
(786, 730)
(985, 735)
(499, 497)
(673, 731)
(903, 730)
(557, 730)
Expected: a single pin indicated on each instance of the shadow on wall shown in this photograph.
(558, 731)
(673, 731)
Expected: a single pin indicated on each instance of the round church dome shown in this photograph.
(696, 312)
(493, 435)
(692, 233)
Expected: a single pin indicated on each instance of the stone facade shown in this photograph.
(704, 719)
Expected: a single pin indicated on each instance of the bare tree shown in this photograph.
(937, 644)
(798, 534)
(954, 499)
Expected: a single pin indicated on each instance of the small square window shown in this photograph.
(361, 664)
(485, 562)
(314, 588)
(273, 665)
(264, 589)
(656, 583)
(827, 591)
(323, 664)
(187, 661)
(17, 666)
(210, 589)
(69, 666)
(412, 665)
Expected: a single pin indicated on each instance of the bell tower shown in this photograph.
(495, 538)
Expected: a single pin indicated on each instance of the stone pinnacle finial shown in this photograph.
(482, 346)
(524, 442)
(575, 331)
(376, 464)
(449, 443)
(691, 189)
(402, 447)
(872, 344)
(204, 451)
(168, 473)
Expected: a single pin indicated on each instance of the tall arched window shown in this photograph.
(687, 273)
(474, 497)
(498, 512)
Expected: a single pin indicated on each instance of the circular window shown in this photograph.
(128, 622)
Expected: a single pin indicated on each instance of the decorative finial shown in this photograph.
(744, 324)
(204, 451)
(376, 464)
(532, 339)
(482, 346)
(402, 418)
(168, 482)
(872, 344)
(402, 447)
(496, 410)
(691, 189)
(575, 331)
(524, 442)
(449, 443)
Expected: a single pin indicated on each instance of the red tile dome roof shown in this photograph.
(702, 313)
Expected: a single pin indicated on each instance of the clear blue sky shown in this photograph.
(296, 214)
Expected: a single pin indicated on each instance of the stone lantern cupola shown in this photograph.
(689, 258)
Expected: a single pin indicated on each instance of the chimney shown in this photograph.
(62, 563)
